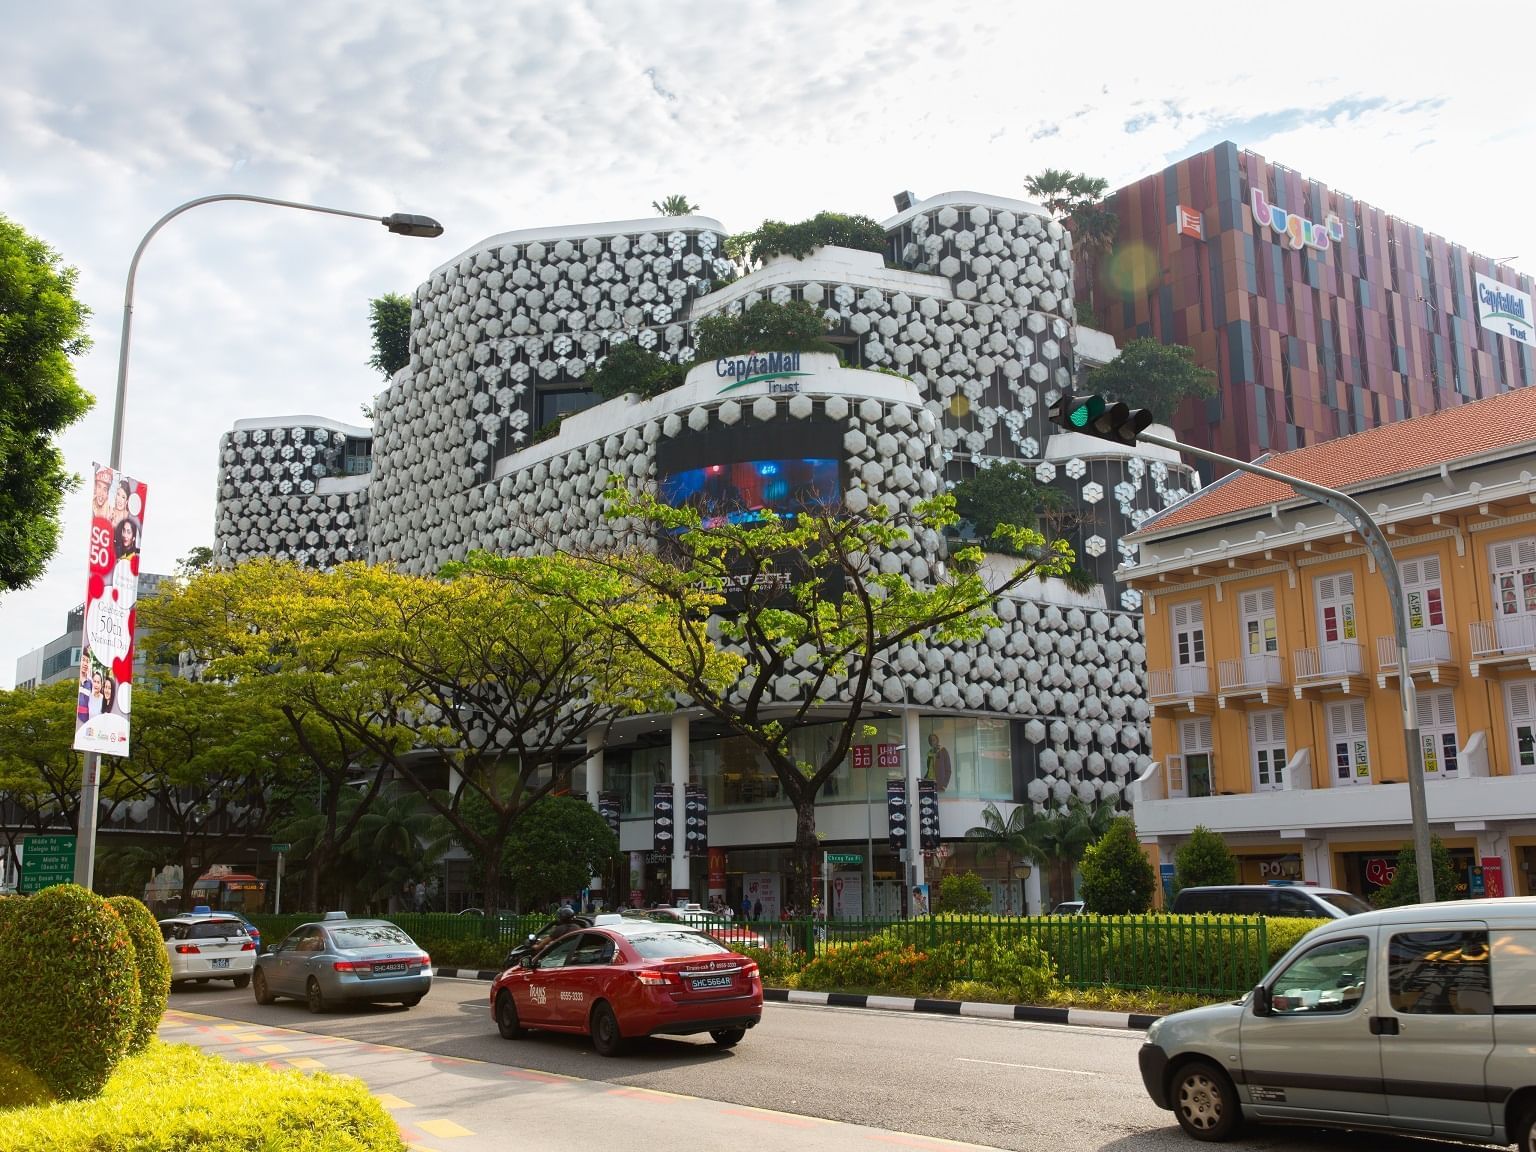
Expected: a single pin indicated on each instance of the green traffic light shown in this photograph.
(1080, 416)
(1085, 412)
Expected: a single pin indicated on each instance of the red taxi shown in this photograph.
(622, 978)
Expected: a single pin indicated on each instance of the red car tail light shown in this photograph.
(653, 977)
(188, 949)
(351, 965)
(749, 971)
(248, 946)
(426, 960)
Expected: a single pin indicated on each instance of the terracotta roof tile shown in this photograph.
(1502, 421)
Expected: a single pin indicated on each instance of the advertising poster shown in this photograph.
(1505, 309)
(928, 815)
(609, 807)
(696, 813)
(663, 819)
(761, 890)
(896, 812)
(112, 588)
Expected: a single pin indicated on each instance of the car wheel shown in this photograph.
(313, 997)
(606, 1038)
(727, 1037)
(243, 980)
(259, 986)
(411, 1001)
(507, 1023)
(1525, 1132)
(1205, 1101)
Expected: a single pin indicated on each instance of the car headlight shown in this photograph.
(1153, 1030)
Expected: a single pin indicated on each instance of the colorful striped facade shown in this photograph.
(1335, 318)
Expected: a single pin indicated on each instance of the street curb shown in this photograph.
(1030, 1013)
(1083, 1017)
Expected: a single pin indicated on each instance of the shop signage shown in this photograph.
(1299, 232)
(1504, 310)
(863, 756)
(717, 870)
(890, 755)
(1493, 876)
(776, 369)
(1190, 223)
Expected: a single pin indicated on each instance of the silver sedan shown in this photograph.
(339, 959)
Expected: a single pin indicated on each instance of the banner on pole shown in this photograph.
(896, 813)
(663, 819)
(105, 698)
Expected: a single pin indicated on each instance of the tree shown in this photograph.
(481, 682)
(630, 368)
(674, 205)
(764, 327)
(389, 320)
(195, 561)
(556, 848)
(1203, 859)
(965, 894)
(1403, 888)
(1118, 879)
(1009, 494)
(399, 840)
(825, 229)
(214, 758)
(1076, 199)
(1059, 838)
(1007, 837)
(809, 612)
(42, 325)
(1153, 375)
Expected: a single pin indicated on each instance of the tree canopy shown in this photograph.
(630, 368)
(675, 205)
(764, 327)
(1077, 199)
(560, 843)
(1403, 888)
(1152, 375)
(805, 604)
(1203, 859)
(1117, 876)
(775, 238)
(1006, 494)
(42, 325)
(389, 322)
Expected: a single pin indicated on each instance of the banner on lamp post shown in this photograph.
(896, 813)
(105, 698)
(928, 815)
(663, 819)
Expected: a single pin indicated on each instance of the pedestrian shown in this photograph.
(757, 909)
(421, 896)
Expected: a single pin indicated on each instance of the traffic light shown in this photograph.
(1095, 416)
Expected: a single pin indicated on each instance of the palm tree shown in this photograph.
(1008, 837)
(1053, 187)
(400, 840)
(1076, 199)
(675, 205)
(1057, 840)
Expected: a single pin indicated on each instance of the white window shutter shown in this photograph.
(1338, 719)
(1503, 556)
(1357, 717)
(1205, 735)
(1346, 584)
(1173, 767)
(1197, 613)
(1250, 603)
(1432, 570)
(1526, 552)
(1522, 700)
(1426, 710)
(1258, 725)
(1446, 707)
(1325, 588)
(1409, 571)
(1277, 727)
(1267, 600)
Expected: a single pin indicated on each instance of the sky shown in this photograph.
(506, 114)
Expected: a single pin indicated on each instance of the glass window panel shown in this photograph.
(1440, 973)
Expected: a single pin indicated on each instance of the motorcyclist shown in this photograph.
(565, 922)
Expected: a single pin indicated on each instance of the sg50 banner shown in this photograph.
(112, 588)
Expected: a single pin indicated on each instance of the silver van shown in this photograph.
(1418, 1020)
(1268, 900)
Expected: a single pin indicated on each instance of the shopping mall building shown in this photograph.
(958, 335)
(1321, 315)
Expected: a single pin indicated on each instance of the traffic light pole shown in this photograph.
(1355, 514)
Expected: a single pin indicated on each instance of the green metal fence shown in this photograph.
(1201, 955)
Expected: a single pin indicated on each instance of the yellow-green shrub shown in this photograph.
(69, 992)
(1017, 968)
(172, 1098)
(153, 965)
(1283, 932)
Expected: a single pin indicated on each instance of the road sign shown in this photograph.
(46, 860)
(282, 847)
(845, 858)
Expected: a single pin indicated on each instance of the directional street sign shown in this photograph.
(845, 858)
(282, 847)
(46, 860)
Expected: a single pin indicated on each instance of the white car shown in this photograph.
(204, 948)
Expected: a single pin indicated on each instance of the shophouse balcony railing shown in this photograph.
(1250, 674)
(1328, 662)
(1505, 636)
(1429, 650)
(1178, 685)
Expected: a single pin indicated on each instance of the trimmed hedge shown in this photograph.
(69, 992)
(153, 965)
(173, 1097)
(1017, 968)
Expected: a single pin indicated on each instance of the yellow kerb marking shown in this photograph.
(443, 1128)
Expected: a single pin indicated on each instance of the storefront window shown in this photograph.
(968, 757)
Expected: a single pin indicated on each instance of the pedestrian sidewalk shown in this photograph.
(448, 1104)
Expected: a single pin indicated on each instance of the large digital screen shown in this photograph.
(741, 492)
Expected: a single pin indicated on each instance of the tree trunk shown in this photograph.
(802, 881)
(490, 884)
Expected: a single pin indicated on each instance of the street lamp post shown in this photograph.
(1355, 514)
(399, 223)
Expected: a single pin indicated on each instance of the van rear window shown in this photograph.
(1345, 902)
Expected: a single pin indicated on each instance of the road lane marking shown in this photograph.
(1031, 1067)
(443, 1128)
(391, 1101)
(787, 1118)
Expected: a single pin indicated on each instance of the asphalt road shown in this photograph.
(947, 1081)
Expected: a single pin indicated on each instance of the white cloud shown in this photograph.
(494, 116)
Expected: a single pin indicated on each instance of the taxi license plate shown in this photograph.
(224, 963)
(702, 982)
(379, 969)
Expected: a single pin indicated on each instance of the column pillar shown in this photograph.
(594, 786)
(912, 738)
(680, 885)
